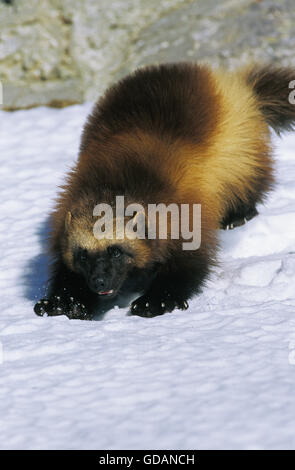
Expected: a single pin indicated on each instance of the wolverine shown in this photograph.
(174, 134)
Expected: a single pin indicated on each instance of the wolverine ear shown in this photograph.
(138, 219)
(68, 220)
(138, 216)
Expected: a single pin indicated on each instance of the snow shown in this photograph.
(219, 375)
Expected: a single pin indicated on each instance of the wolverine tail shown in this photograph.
(275, 90)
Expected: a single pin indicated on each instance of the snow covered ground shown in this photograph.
(219, 375)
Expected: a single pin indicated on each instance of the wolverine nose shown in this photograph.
(98, 283)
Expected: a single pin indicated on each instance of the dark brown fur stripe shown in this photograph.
(173, 100)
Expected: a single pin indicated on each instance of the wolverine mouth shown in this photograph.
(106, 292)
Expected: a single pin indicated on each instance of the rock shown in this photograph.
(229, 33)
(35, 65)
(61, 52)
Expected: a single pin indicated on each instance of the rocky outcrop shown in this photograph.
(57, 52)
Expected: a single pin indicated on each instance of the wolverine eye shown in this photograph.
(82, 255)
(114, 251)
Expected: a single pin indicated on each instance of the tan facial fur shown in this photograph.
(79, 234)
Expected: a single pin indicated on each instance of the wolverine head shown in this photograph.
(103, 269)
(104, 263)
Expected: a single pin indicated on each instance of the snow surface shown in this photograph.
(219, 375)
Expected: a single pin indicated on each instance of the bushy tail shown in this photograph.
(275, 90)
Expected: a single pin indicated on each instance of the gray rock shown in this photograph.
(60, 52)
(228, 33)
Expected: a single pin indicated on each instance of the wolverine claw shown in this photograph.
(183, 305)
(43, 307)
(61, 305)
(238, 221)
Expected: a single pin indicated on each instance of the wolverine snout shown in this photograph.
(97, 283)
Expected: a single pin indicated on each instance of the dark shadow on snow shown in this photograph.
(36, 272)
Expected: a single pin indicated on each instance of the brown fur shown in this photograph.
(176, 133)
(215, 149)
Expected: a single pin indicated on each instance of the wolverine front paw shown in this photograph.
(57, 305)
(152, 305)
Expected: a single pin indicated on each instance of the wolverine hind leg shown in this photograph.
(238, 216)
